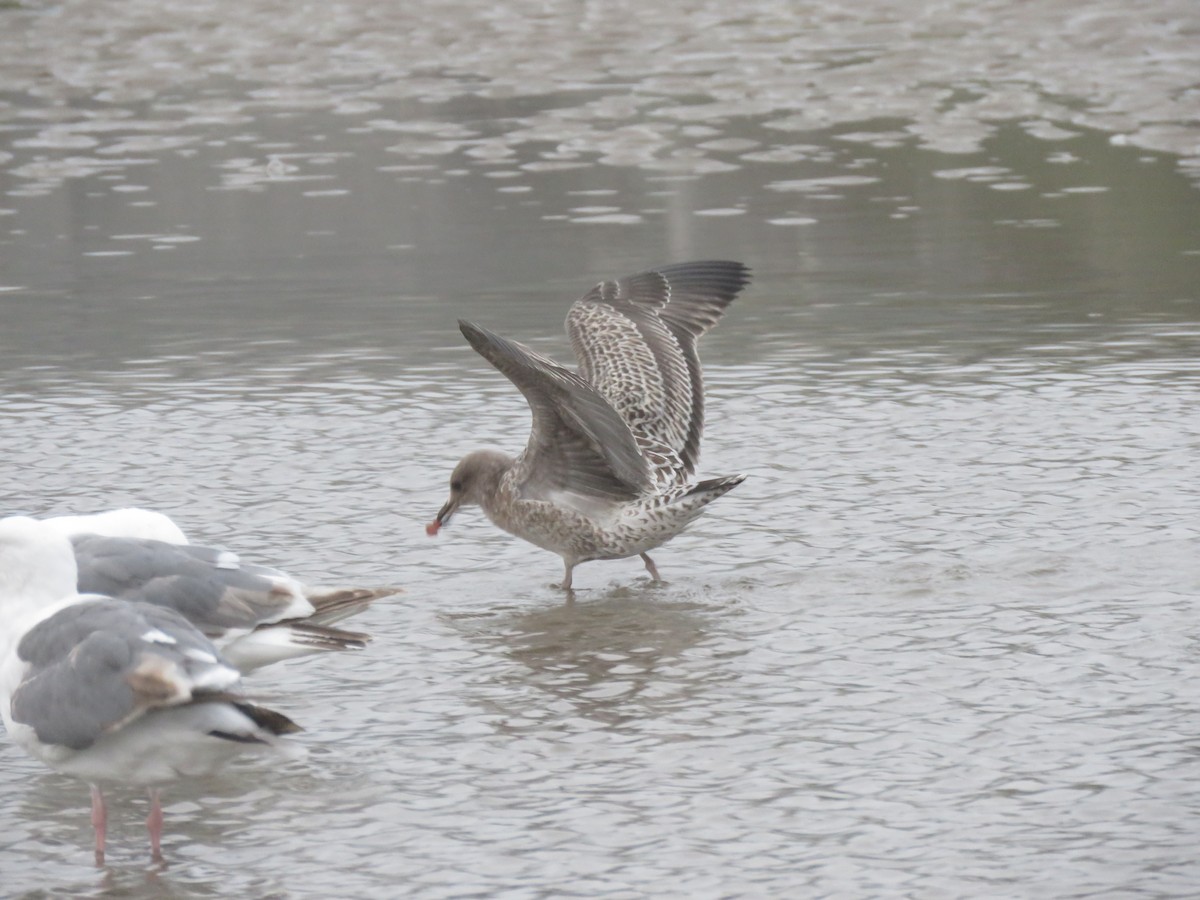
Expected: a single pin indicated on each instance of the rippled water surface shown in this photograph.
(941, 643)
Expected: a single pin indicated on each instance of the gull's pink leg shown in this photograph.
(99, 822)
(650, 567)
(154, 824)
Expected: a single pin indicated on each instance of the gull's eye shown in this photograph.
(456, 485)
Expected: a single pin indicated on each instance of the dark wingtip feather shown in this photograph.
(721, 278)
(334, 604)
(267, 719)
(488, 344)
(323, 637)
(470, 331)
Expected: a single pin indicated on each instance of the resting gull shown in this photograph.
(130, 521)
(113, 691)
(606, 473)
(257, 615)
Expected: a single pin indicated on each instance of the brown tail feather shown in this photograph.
(334, 604)
(716, 486)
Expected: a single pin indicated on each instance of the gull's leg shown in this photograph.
(99, 822)
(154, 824)
(566, 582)
(650, 567)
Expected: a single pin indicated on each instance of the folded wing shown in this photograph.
(208, 587)
(258, 615)
(98, 665)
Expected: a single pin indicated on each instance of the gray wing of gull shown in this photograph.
(198, 582)
(635, 339)
(578, 443)
(99, 664)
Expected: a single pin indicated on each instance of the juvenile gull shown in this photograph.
(606, 472)
(109, 690)
(257, 615)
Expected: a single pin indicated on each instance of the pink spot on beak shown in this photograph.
(432, 528)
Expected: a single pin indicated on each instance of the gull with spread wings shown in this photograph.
(606, 473)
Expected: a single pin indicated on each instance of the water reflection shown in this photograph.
(611, 658)
(201, 818)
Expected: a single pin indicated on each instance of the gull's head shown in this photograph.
(473, 481)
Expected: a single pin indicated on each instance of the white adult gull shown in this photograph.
(607, 470)
(257, 615)
(129, 521)
(112, 691)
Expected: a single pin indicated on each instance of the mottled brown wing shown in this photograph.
(578, 443)
(635, 339)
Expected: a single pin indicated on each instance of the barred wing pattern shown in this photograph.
(635, 339)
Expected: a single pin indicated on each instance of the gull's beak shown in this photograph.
(443, 516)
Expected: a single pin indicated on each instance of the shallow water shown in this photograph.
(941, 643)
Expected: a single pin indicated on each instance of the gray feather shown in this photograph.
(185, 578)
(82, 661)
(578, 442)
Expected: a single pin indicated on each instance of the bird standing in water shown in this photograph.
(113, 691)
(606, 473)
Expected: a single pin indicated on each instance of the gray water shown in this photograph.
(941, 643)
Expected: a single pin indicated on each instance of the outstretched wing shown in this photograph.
(635, 339)
(578, 443)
